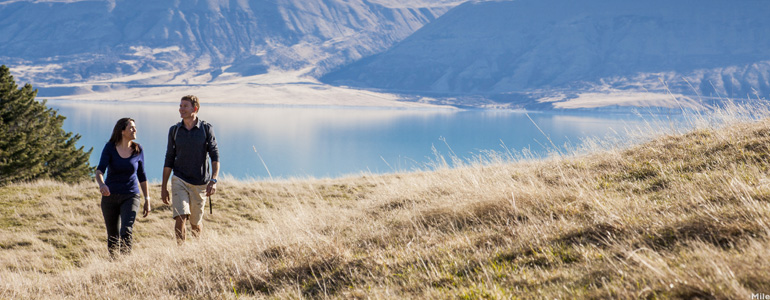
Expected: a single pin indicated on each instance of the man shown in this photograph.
(190, 142)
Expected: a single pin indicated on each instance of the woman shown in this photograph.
(120, 192)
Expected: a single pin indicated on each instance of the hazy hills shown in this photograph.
(524, 53)
(719, 47)
(196, 41)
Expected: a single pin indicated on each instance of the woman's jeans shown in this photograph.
(119, 212)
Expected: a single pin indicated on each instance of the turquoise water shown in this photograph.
(259, 142)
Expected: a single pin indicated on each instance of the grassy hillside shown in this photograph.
(680, 216)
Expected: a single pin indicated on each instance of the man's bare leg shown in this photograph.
(196, 230)
(179, 228)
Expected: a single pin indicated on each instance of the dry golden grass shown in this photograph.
(680, 216)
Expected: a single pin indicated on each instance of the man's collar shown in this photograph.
(197, 122)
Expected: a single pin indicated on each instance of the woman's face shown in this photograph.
(129, 133)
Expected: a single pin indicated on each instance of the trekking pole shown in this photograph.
(211, 206)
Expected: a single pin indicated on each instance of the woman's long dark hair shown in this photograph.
(117, 134)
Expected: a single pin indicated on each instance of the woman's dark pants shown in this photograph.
(119, 212)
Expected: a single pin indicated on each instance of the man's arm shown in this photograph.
(213, 151)
(212, 187)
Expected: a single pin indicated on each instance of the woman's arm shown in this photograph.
(143, 183)
(104, 160)
(103, 189)
(147, 209)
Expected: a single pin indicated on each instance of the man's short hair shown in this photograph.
(193, 100)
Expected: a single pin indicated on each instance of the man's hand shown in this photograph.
(164, 196)
(211, 188)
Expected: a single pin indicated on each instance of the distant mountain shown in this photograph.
(471, 53)
(196, 41)
(710, 48)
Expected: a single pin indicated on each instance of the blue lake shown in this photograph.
(260, 142)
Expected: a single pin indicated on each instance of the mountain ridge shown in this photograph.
(91, 40)
(713, 49)
(500, 54)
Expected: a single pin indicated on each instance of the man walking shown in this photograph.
(190, 143)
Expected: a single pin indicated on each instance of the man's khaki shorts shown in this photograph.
(188, 199)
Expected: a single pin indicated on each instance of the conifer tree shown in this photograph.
(33, 144)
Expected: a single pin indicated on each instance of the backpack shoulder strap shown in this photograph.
(176, 130)
(206, 127)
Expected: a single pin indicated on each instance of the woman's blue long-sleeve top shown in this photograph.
(125, 174)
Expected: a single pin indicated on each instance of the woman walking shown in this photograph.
(123, 160)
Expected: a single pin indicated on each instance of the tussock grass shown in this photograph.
(680, 215)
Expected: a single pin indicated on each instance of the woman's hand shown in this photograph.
(104, 190)
(147, 209)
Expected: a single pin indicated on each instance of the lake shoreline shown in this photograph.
(306, 94)
(315, 94)
(272, 105)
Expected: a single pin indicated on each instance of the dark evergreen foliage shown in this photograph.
(33, 144)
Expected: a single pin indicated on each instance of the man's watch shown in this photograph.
(214, 180)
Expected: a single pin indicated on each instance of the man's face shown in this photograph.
(186, 109)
